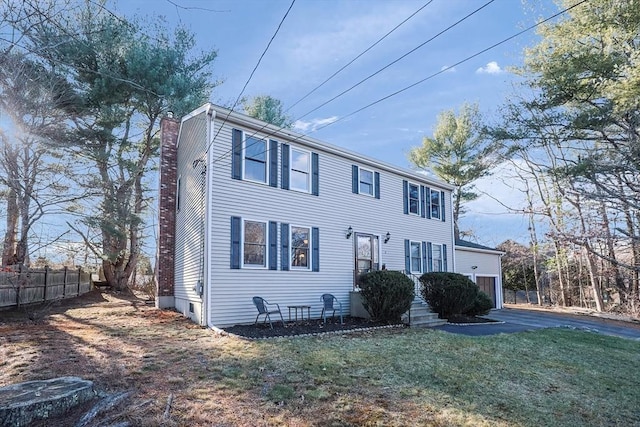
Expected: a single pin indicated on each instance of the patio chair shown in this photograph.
(328, 301)
(262, 306)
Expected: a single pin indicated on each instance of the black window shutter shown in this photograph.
(236, 223)
(427, 196)
(315, 174)
(236, 147)
(407, 256)
(284, 239)
(273, 245)
(430, 256)
(285, 166)
(273, 163)
(376, 180)
(315, 249)
(442, 205)
(444, 257)
(424, 257)
(405, 196)
(423, 203)
(355, 181)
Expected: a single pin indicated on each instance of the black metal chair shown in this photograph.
(328, 301)
(262, 306)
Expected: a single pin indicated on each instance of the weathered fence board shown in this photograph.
(27, 286)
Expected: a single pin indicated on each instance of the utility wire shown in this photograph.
(468, 58)
(359, 55)
(251, 75)
(459, 21)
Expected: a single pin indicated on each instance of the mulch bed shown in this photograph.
(316, 326)
(307, 327)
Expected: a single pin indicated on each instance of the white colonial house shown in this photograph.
(248, 209)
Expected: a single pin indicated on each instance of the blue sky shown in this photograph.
(320, 36)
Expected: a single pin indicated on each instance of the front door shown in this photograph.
(366, 254)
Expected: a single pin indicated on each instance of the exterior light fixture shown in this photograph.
(349, 232)
(387, 237)
(474, 267)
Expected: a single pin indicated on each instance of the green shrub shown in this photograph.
(448, 294)
(481, 305)
(386, 294)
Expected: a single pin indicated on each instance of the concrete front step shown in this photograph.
(421, 316)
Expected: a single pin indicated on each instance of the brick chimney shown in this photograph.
(165, 268)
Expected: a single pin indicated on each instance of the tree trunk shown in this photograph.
(9, 247)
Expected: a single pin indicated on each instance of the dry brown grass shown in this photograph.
(385, 378)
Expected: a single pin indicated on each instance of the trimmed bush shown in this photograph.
(481, 306)
(448, 294)
(386, 295)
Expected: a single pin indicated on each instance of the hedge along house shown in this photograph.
(249, 209)
(483, 265)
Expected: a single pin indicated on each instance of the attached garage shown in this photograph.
(482, 265)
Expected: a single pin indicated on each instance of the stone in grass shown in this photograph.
(22, 403)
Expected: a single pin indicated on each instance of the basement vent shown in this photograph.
(190, 307)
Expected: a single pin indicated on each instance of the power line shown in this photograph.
(468, 58)
(459, 21)
(454, 65)
(252, 73)
(359, 55)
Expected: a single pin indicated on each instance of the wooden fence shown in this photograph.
(27, 286)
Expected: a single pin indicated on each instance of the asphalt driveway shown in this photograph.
(519, 320)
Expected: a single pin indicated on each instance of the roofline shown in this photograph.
(486, 251)
(272, 130)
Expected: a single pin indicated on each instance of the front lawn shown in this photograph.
(384, 377)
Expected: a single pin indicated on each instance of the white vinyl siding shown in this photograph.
(333, 211)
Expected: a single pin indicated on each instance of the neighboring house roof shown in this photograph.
(304, 140)
(464, 244)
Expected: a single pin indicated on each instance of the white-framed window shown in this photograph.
(254, 244)
(415, 251)
(434, 204)
(300, 170)
(300, 238)
(366, 183)
(255, 160)
(413, 192)
(436, 257)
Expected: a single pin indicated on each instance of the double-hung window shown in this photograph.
(255, 159)
(436, 257)
(416, 257)
(300, 170)
(414, 199)
(434, 204)
(300, 244)
(255, 244)
(366, 183)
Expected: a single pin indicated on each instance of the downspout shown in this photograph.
(454, 266)
(207, 279)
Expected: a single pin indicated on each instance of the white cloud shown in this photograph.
(313, 125)
(491, 68)
(448, 69)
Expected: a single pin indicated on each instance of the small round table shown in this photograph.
(301, 308)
